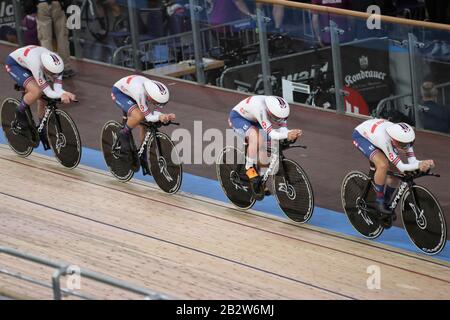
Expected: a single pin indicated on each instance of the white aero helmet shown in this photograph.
(277, 108)
(52, 62)
(158, 92)
(402, 134)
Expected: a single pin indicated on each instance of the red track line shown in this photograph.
(234, 222)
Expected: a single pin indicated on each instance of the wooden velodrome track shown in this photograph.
(186, 246)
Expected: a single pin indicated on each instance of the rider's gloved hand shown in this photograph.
(426, 165)
(294, 134)
(164, 118)
(66, 97)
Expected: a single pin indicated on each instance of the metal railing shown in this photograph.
(392, 103)
(180, 47)
(62, 269)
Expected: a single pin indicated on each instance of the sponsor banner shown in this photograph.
(7, 13)
(365, 68)
(7, 21)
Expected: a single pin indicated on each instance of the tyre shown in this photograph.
(230, 169)
(119, 166)
(294, 192)
(424, 220)
(20, 143)
(164, 163)
(66, 144)
(356, 208)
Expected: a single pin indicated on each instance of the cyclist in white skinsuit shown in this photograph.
(32, 67)
(135, 94)
(381, 141)
(260, 112)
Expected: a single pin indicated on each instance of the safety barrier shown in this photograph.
(62, 269)
(180, 47)
(392, 103)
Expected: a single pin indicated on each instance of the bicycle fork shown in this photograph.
(418, 212)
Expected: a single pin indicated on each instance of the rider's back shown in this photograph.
(374, 130)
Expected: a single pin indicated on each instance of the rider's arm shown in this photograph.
(278, 134)
(275, 134)
(405, 166)
(148, 114)
(411, 156)
(57, 87)
(394, 158)
(38, 75)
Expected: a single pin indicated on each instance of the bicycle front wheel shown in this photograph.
(164, 163)
(424, 220)
(64, 139)
(294, 192)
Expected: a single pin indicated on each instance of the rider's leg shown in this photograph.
(249, 131)
(381, 164)
(41, 109)
(252, 152)
(382, 167)
(141, 134)
(263, 158)
(135, 116)
(32, 94)
(23, 78)
(392, 184)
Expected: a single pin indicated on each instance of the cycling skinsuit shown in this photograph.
(129, 93)
(370, 137)
(251, 112)
(24, 65)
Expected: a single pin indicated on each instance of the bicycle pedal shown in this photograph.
(387, 220)
(258, 196)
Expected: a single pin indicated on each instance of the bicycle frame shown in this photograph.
(275, 158)
(407, 182)
(49, 108)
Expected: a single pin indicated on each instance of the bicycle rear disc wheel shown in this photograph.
(356, 208)
(294, 192)
(230, 169)
(17, 141)
(424, 220)
(66, 144)
(117, 164)
(165, 166)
